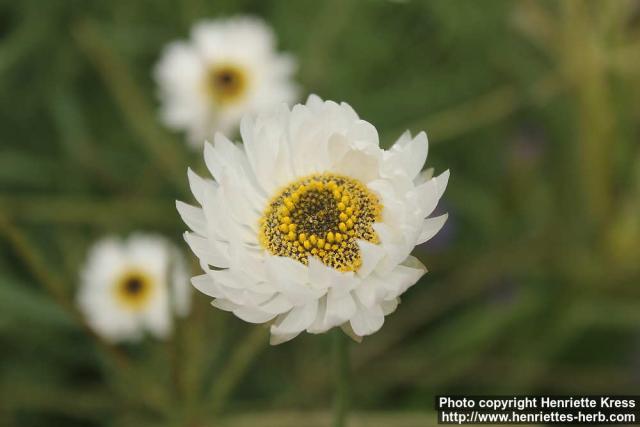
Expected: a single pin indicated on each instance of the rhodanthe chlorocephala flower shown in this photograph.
(230, 67)
(309, 224)
(129, 287)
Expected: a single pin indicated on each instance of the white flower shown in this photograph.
(310, 224)
(229, 68)
(131, 286)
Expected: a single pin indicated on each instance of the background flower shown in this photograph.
(128, 287)
(228, 68)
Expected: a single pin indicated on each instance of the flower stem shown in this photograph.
(237, 367)
(341, 378)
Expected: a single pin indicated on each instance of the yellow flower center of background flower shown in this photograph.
(133, 289)
(321, 215)
(226, 83)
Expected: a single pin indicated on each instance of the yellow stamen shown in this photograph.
(323, 215)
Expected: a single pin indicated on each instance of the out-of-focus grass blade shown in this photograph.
(17, 169)
(76, 211)
(451, 349)
(21, 304)
(236, 367)
(132, 102)
(74, 136)
(37, 396)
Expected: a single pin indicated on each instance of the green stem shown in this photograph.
(341, 378)
(239, 362)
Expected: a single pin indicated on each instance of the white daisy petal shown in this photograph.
(442, 181)
(427, 197)
(367, 321)
(320, 324)
(340, 308)
(371, 256)
(199, 187)
(206, 251)
(423, 176)
(224, 304)
(253, 315)
(430, 227)
(389, 306)
(277, 305)
(282, 338)
(368, 292)
(205, 284)
(297, 320)
(193, 217)
(403, 277)
(413, 153)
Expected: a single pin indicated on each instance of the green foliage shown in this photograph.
(533, 105)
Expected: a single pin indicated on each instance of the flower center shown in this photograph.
(133, 289)
(321, 215)
(226, 83)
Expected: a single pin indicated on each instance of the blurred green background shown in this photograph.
(533, 283)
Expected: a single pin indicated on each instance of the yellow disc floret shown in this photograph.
(321, 215)
(134, 288)
(226, 83)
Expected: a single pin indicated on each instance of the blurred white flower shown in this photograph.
(310, 224)
(230, 67)
(132, 286)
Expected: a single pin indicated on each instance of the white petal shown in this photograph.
(430, 227)
(277, 305)
(415, 154)
(403, 276)
(205, 284)
(193, 217)
(367, 292)
(323, 277)
(286, 269)
(227, 159)
(362, 163)
(362, 130)
(198, 186)
(340, 308)
(390, 306)
(224, 304)
(253, 315)
(297, 320)
(423, 176)
(320, 324)
(367, 321)
(442, 181)
(264, 138)
(427, 197)
(276, 339)
(371, 254)
(238, 204)
(206, 250)
(314, 101)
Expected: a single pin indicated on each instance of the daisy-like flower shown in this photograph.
(132, 286)
(310, 224)
(229, 68)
